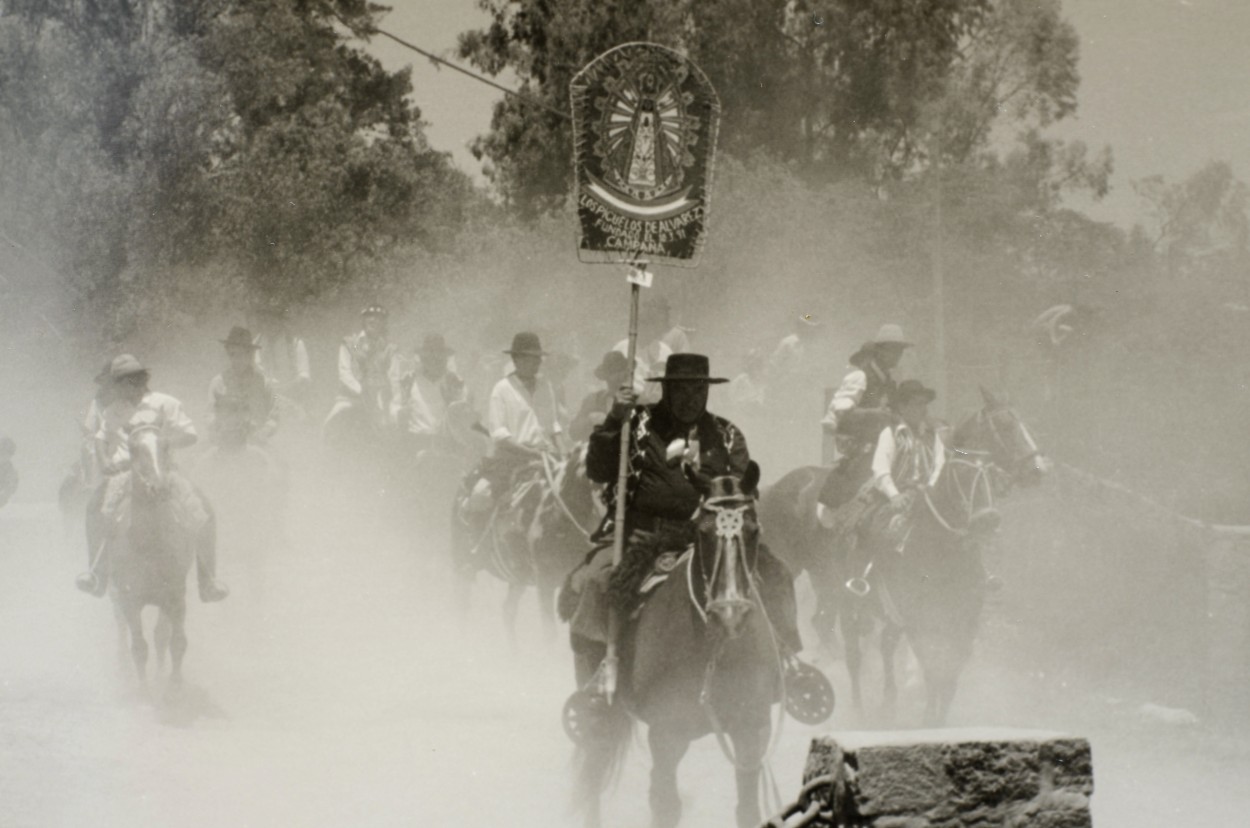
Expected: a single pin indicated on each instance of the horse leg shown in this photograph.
(749, 746)
(123, 639)
(667, 750)
(852, 631)
(547, 607)
(138, 645)
(890, 637)
(511, 605)
(161, 637)
(177, 615)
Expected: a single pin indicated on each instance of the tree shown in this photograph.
(840, 88)
(145, 136)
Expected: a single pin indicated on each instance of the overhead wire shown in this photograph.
(476, 76)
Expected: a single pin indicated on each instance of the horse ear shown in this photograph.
(993, 400)
(751, 479)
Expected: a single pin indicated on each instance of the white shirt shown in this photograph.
(113, 441)
(427, 406)
(648, 362)
(285, 358)
(513, 414)
(848, 395)
(903, 459)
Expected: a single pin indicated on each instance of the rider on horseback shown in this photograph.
(856, 415)
(367, 362)
(425, 396)
(242, 398)
(132, 398)
(522, 416)
(907, 459)
(614, 371)
(669, 441)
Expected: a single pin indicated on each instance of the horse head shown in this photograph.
(997, 431)
(149, 458)
(726, 542)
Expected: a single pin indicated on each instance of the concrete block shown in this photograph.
(969, 778)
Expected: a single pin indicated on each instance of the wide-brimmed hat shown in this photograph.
(239, 337)
(910, 389)
(526, 344)
(434, 344)
(687, 368)
(614, 364)
(124, 366)
(891, 334)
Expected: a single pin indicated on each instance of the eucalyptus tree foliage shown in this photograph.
(142, 141)
(874, 89)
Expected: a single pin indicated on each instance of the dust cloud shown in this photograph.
(343, 681)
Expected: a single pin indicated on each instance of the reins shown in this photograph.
(729, 528)
(555, 494)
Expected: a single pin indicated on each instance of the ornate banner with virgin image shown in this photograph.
(644, 136)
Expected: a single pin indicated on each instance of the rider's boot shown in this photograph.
(206, 563)
(92, 583)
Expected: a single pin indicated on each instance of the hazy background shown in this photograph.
(150, 198)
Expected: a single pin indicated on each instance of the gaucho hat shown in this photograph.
(891, 334)
(125, 366)
(687, 368)
(910, 389)
(614, 364)
(240, 337)
(526, 344)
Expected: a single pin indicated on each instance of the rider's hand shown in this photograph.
(626, 398)
(899, 502)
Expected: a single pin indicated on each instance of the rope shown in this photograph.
(555, 493)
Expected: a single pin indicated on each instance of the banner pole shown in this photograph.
(622, 483)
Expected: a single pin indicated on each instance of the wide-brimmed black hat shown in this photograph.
(433, 344)
(910, 389)
(687, 368)
(526, 344)
(614, 364)
(239, 337)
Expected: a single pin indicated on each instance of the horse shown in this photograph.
(250, 487)
(152, 548)
(701, 658)
(927, 580)
(536, 533)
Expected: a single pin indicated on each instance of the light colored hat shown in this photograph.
(124, 366)
(891, 334)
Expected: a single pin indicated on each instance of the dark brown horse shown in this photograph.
(701, 658)
(151, 549)
(537, 533)
(927, 579)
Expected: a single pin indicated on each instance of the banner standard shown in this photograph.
(644, 136)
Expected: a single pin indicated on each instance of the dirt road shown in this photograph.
(339, 685)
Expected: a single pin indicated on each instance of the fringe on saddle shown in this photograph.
(645, 555)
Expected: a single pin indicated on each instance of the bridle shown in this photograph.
(987, 421)
(730, 512)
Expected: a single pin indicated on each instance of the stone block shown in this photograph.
(971, 778)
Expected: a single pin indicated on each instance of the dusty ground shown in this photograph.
(339, 686)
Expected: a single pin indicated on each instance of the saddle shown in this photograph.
(649, 559)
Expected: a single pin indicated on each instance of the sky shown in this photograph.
(1165, 83)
